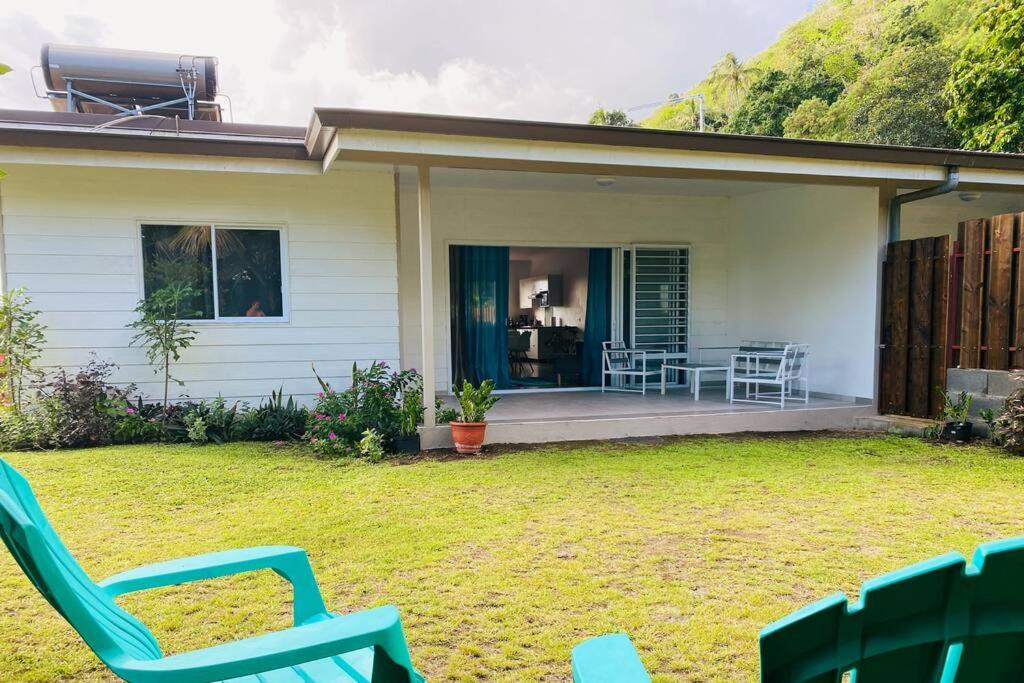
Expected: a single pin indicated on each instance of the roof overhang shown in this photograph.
(466, 142)
(393, 138)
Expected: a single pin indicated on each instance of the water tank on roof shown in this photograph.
(157, 82)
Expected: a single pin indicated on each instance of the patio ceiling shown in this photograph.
(580, 182)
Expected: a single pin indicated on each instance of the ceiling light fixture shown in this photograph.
(969, 196)
(605, 180)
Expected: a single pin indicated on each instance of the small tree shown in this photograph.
(21, 344)
(611, 117)
(163, 329)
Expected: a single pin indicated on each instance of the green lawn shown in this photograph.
(500, 564)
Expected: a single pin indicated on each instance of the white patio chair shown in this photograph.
(786, 373)
(629, 364)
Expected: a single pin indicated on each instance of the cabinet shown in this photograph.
(530, 287)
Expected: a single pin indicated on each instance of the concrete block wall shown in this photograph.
(988, 387)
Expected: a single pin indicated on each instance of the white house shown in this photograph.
(336, 244)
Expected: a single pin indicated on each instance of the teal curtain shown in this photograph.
(597, 327)
(479, 293)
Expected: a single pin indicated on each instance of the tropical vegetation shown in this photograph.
(937, 73)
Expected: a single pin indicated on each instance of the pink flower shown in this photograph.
(130, 410)
(319, 394)
(332, 436)
(321, 417)
(341, 416)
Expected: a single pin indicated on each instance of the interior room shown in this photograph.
(541, 295)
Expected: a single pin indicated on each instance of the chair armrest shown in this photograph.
(290, 563)
(607, 659)
(380, 628)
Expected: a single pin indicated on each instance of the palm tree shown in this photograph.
(729, 78)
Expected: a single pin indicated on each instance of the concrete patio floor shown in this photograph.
(549, 416)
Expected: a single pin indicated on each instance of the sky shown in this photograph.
(554, 60)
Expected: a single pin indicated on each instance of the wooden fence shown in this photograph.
(915, 342)
(989, 318)
(944, 304)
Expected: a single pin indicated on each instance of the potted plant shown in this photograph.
(958, 428)
(474, 402)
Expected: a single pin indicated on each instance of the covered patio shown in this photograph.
(776, 240)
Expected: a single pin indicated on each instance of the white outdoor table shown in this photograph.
(696, 369)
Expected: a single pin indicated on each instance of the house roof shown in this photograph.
(20, 128)
(23, 128)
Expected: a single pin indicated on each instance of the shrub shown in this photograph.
(79, 405)
(274, 420)
(21, 344)
(29, 428)
(209, 421)
(371, 446)
(380, 399)
(1008, 428)
(328, 428)
(136, 424)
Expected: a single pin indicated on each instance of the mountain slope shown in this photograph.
(857, 70)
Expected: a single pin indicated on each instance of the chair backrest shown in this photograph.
(941, 620)
(793, 364)
(518, 342)
(109, 630)
(616, 356)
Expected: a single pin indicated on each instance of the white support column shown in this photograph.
(426, 297)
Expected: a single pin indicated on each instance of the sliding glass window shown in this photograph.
(237, 272)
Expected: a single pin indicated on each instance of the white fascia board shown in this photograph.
(173, 162)
(482, 152)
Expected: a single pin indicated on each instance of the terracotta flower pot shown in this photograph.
(468, 436)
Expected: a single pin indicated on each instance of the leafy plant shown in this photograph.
(210, 421)
(163, 330)
(30, 428)
(371, 446)
(80, 405)
(444, 414)
(21, 345)
(375, 400)
(958, 410)
(274, 420)
(475, 401)
(132, 424)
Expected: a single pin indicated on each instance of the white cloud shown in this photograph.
(542, 60)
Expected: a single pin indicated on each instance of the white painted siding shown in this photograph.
(71, 239)
(542, 218)
(803, 267)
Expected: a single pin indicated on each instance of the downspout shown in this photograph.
(897, 202)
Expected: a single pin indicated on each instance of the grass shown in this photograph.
(500, 564)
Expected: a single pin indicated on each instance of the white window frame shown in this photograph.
(214, 225)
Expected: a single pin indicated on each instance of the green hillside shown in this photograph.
(941, 73)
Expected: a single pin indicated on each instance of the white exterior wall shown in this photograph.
(541, 218)
(796, 263)
(803, 266)
(941, 216)
(71, 238)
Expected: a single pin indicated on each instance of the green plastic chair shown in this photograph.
(363, 647)
(938, 621)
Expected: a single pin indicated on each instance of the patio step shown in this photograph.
(895, 424)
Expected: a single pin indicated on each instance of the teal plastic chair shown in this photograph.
(362, 647)
(939, 621)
